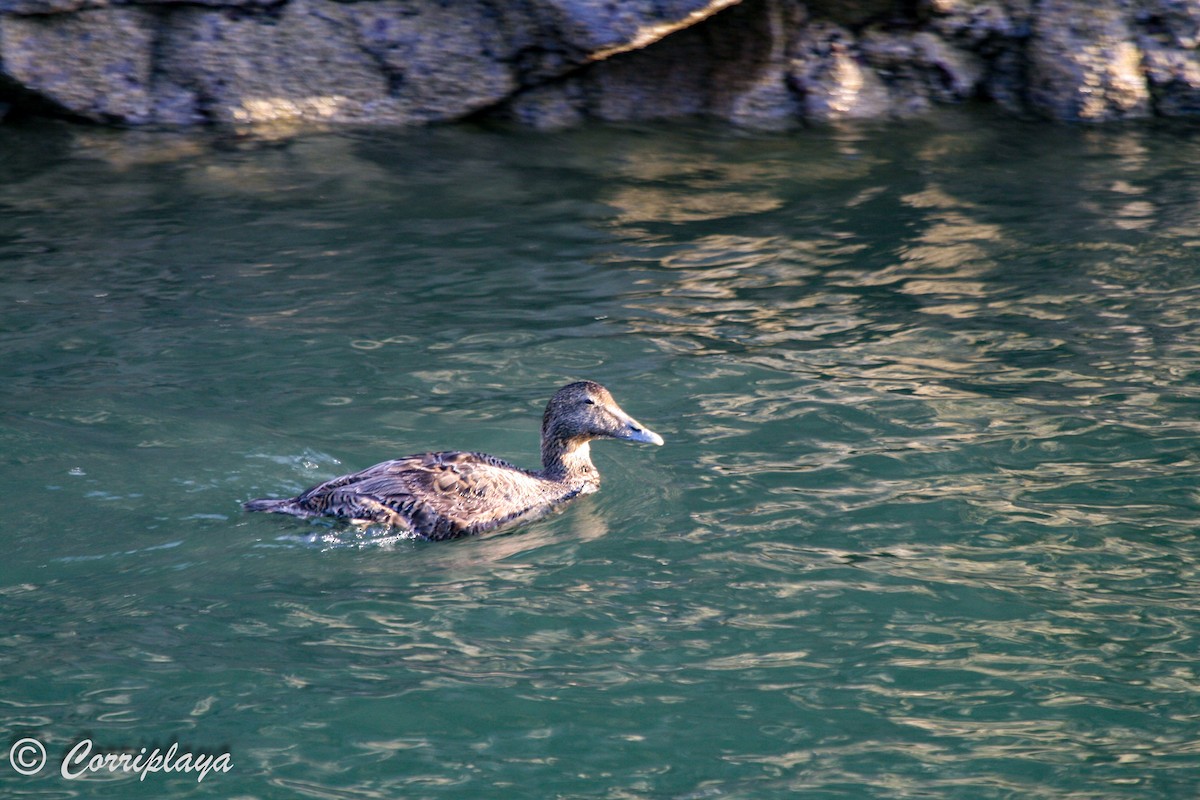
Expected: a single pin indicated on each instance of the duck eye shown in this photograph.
(589, 401)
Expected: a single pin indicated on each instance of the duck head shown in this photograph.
(585, 410)
(578, 413)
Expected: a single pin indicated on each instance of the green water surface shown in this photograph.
(925, 525)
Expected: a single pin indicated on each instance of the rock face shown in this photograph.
(557, 62)
(1085, 65)
(377, 61)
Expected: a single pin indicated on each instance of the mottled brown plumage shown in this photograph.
(452, 494)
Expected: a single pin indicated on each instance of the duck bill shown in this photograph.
(634, 431)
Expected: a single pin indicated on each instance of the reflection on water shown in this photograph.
(924, 525)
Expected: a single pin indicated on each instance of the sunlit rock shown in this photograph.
(1171, 61)
(552, 63)
(1084, 64)
(254, 68)
(326, 61)
(1174, 76)
(830, 75)
(94, 63)
(383, 62)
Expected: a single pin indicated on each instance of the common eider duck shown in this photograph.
(451, 494)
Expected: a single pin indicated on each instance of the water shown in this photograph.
(925, 524)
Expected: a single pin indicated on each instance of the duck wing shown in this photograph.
(436, 495)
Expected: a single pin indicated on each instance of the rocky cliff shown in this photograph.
(557, 62)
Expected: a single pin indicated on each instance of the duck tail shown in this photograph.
(273, 506)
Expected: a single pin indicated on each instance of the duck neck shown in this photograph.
(569, 462)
